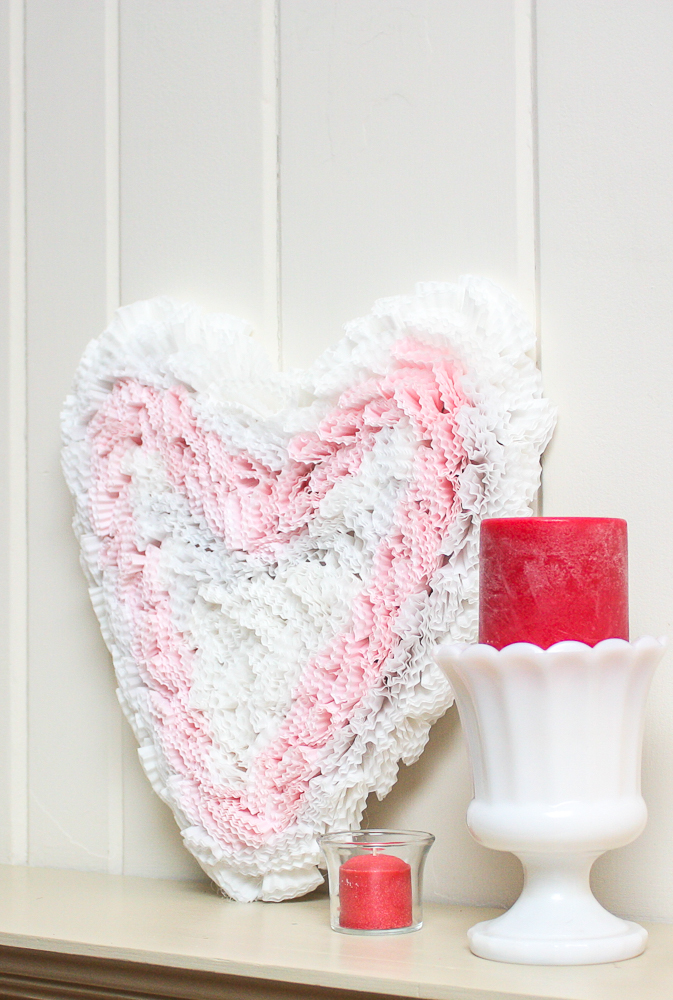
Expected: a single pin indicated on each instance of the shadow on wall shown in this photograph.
(433, 794)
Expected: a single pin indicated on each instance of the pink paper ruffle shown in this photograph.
(271, 579)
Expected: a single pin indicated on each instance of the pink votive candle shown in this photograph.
(375, 892)
(546, 579)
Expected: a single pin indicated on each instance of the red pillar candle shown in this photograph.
(375, 893)
(546, 579)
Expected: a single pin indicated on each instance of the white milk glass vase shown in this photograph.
(555, 738)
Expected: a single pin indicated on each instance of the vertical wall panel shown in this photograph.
(5, 752)
(401, 160)
(13, 569)
(192, 226)
(397, 154)
(72, 704)
(406, 153)
(191, 147)
(606, 197)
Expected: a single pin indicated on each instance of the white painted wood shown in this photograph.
(17, 520)
(115, 731)
(152, 844)
(13, 578)
(71, 699)
(194, 203)
(398, 154)
(525, 42)
(198, 222)
(406, 155)
(112, 162)
(605, 89)
(271, 276)
(291, 161)
(6, 756)
(181, 925)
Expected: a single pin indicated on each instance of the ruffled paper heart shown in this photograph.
(272, 557)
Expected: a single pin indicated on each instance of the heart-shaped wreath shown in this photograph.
(273, 556)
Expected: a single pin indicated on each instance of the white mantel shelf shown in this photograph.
(185, 928)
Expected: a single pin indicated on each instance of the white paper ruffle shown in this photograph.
(273, 557)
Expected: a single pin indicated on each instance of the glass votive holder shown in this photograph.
(376, 880)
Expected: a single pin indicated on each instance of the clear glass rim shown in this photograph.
(389, 838)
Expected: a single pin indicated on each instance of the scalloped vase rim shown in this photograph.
(565, 645)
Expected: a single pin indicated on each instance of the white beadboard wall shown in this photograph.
(291, 161)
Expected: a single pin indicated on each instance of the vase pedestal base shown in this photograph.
(557, 920)
(487, 942)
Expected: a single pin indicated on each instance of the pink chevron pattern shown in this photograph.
(208, 528)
